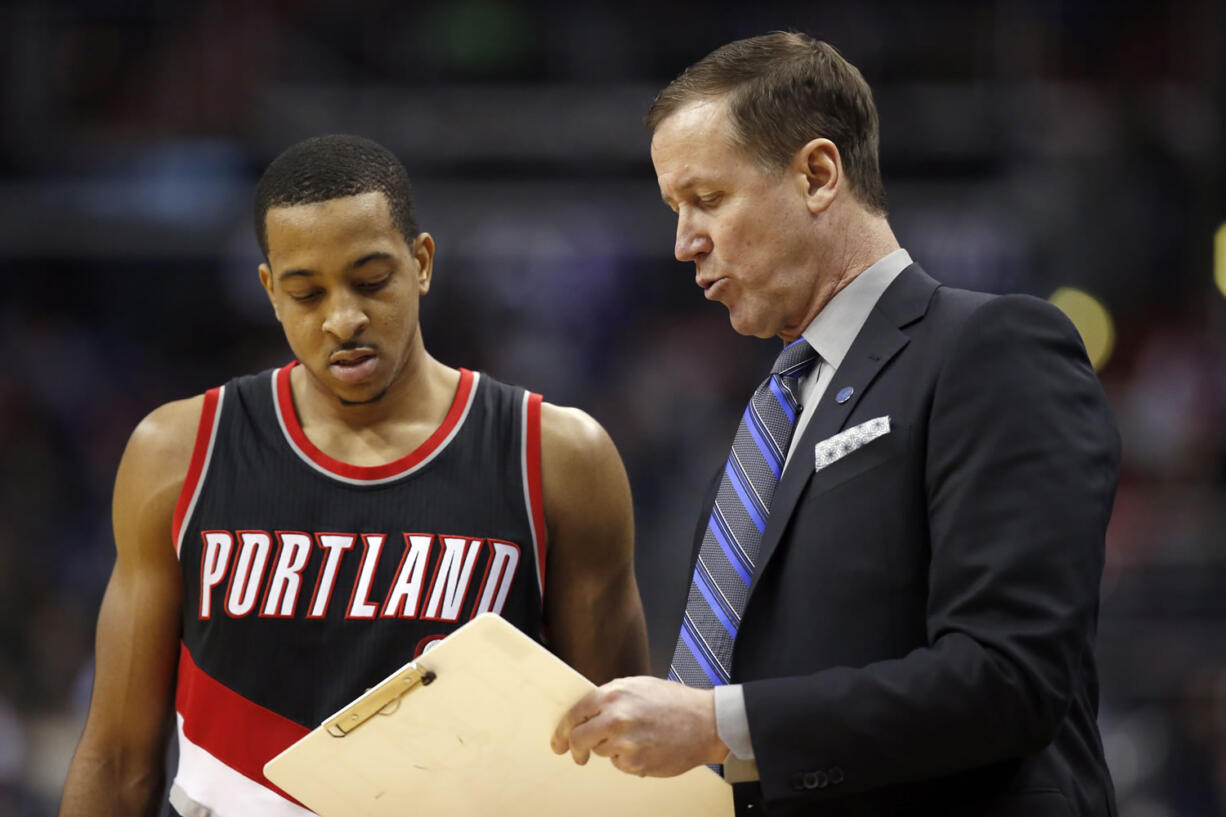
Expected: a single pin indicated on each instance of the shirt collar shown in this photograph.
(834, 329)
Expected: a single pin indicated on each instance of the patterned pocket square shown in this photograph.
(833, 449)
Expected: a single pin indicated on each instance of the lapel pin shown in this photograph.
(844, 394)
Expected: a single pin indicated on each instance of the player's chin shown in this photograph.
(360, 397)
(369, 390)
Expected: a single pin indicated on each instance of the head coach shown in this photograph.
(896, 570)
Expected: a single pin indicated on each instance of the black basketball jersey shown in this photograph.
(308, 580)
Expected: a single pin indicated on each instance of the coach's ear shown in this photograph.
(266, 281)
(819, 169)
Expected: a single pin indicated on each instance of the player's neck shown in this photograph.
(384, 429)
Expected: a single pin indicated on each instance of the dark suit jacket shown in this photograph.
(918, 638)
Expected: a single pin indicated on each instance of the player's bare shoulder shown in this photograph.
(154, 467)
(571, 437)
(583, 477)
(161, 444)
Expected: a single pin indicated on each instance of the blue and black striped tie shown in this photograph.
(734, 533)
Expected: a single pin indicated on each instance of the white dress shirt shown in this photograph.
(831, 333)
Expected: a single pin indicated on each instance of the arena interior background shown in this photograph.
(1027, 146)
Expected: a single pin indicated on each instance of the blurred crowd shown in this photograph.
(1026, 146)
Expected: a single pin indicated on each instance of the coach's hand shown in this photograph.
(644, 725)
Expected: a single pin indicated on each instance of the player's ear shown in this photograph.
(266, 282)
(423, 254)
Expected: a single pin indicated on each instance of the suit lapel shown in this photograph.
(879, 340)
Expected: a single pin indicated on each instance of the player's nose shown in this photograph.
(345, 319)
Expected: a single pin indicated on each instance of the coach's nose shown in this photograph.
(693, 242)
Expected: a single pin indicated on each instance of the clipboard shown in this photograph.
(464, 730)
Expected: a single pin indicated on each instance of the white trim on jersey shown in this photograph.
(523, 468)
(204, 469)
(206, 787)
(438, 449)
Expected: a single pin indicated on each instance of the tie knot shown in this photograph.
(795, 359)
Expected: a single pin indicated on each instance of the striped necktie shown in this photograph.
(729, 550)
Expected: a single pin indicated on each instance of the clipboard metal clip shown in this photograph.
(379, 699)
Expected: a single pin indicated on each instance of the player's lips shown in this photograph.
(353, 365)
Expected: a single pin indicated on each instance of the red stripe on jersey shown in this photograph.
(238, 732)
(285, 405)
(204, 436)
(532, 450)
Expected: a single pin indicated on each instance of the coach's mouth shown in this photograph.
(712, 287)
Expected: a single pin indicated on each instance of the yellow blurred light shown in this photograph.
(1219, 258)
(1092, 320)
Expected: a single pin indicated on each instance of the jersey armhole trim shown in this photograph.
(533, 497)
(202, 455)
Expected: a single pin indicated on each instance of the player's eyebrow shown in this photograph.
(293, 273)
(309, 273)
(371, 256)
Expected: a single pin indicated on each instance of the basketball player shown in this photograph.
(287, 540)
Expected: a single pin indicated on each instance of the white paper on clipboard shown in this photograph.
(475, 741)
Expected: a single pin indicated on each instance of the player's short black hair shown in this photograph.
(332, 167)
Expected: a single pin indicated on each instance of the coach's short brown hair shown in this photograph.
(785, 89)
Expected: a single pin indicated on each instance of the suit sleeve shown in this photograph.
(1021, 465)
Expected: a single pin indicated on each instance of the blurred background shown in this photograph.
(1026, 146)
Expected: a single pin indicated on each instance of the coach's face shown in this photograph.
(749, 232)
(345, 285)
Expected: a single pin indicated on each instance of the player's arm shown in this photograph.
(643, 724)
(592, 605)
(118, 765)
